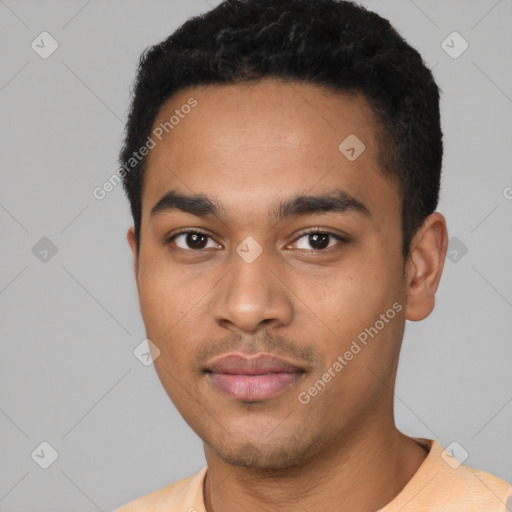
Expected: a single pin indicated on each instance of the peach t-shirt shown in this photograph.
(439, 485)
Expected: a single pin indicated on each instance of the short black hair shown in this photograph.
(331, 43)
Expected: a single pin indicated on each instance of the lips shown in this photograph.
(251, 365)
(253, 378)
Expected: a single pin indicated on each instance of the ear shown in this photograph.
(130, 236)
(425, 266)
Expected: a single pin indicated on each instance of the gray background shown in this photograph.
(69, 325)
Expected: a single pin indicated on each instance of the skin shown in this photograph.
(250, 146)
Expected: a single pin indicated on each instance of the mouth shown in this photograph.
(254, 387)
(255, 378)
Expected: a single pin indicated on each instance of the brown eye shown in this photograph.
(319, 240)
(191, 240)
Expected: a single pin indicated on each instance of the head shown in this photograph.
(255, 126)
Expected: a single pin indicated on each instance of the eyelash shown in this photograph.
(303, 234)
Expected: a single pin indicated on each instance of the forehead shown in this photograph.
(264, 140)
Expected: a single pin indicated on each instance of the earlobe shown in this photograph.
(425, 266)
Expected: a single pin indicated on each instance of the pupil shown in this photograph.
(313, 239)
(317, 240)
(195, 237)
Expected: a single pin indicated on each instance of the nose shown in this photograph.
(252, 297)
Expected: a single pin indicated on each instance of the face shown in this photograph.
(253, 276)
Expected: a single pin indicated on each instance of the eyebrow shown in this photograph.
(202, 206)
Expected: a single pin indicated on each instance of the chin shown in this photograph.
(264, 456)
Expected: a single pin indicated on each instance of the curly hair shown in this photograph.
(331, 43)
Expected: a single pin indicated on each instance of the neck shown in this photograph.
(362, 472)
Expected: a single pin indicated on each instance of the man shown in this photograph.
(282, 161)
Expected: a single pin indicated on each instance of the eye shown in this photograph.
(319, 240)
(191, 240)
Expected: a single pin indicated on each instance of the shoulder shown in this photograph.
(443, 484)
(481, 490)
(187, 494)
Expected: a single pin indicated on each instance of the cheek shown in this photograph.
(353, 296)
(163, 304)
(172, 308)
(350, 305)
(156, 304)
